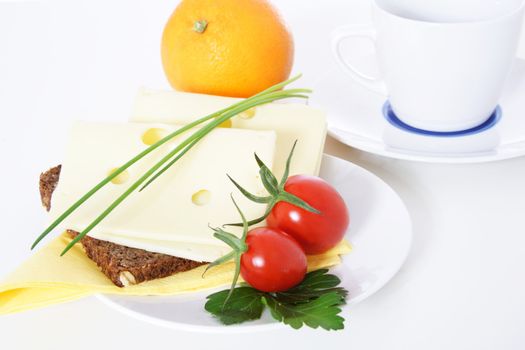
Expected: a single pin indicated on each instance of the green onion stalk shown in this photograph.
(214, 120)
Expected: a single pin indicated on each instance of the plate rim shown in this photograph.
(238, 329)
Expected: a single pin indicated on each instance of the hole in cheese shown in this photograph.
(120, 178)
(226, 124)
(201, 197)
(153, 135)
(247, 114)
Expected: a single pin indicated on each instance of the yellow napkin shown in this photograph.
(46, 278)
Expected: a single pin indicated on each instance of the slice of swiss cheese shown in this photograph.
(291, 121)
(168, 216)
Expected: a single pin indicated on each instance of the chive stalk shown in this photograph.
(271, 94)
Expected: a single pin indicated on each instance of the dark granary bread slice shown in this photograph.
(122, 265)
(127, 266)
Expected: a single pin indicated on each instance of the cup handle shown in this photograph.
(366, 31)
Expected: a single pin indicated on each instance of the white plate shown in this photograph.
(380, 232)
(355, 118)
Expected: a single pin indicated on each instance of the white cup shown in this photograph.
(443, 62)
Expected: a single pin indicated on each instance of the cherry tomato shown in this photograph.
(274, 261)
(316, 233)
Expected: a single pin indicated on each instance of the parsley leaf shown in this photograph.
(320, 312)
(244, 304)
(314, 302)
(314, 284)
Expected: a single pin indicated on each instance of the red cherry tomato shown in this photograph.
(316, 233)
(274, 261)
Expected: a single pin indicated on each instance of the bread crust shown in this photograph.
(48, 183)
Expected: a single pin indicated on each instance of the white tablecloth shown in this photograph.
(462, 287)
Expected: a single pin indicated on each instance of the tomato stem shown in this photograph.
(274, 188)
(238, 246)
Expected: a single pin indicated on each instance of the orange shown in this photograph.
(226, 47)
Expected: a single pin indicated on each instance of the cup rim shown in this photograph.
(502, 17)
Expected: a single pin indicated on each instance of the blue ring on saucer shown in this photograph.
(392, 118)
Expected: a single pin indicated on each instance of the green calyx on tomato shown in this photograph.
(238, 246)
(267, 258)
(275, 188)
(305, 207)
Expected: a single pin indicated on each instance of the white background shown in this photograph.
(463, 286)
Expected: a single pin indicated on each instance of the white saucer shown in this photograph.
(380, 232)
(355, 118)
